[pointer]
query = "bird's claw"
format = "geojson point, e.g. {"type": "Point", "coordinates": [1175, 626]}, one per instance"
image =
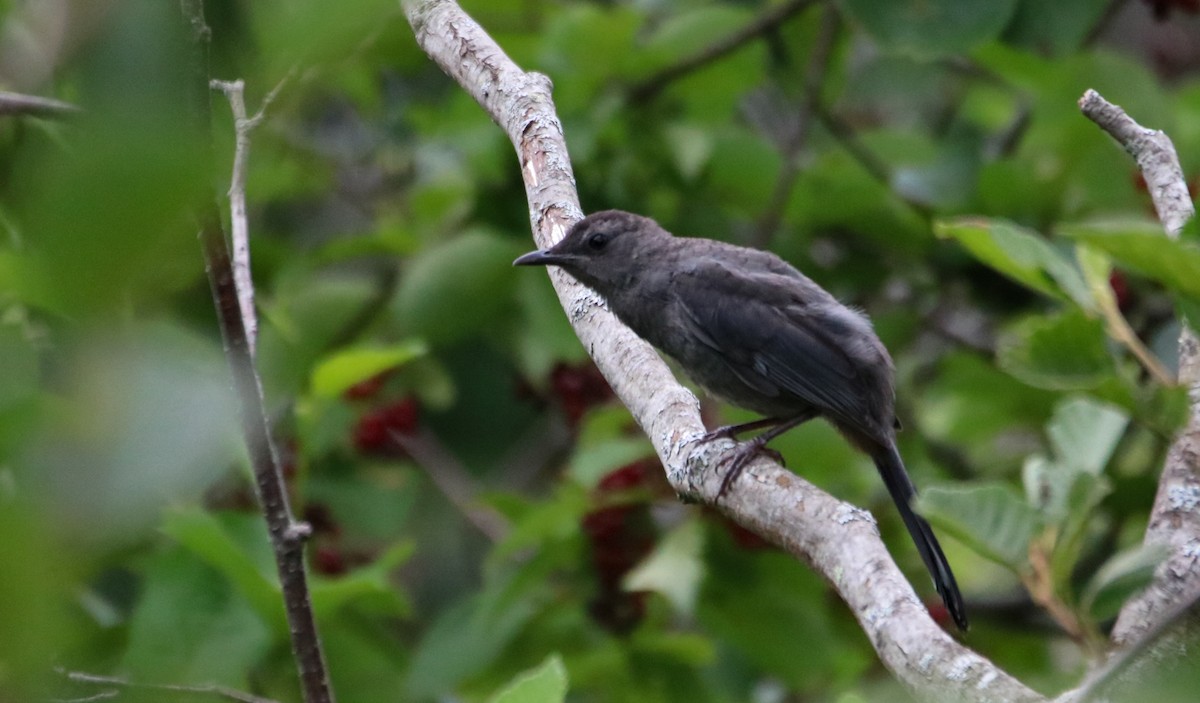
{"type": "Point", "coordinates": [739, 458]}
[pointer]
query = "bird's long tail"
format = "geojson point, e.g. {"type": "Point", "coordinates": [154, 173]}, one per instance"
{"type": "Point", "coordinates": [891, 468]}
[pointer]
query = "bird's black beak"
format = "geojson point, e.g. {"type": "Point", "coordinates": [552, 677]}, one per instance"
{"type": "Point", "coordinates": [542, 257]}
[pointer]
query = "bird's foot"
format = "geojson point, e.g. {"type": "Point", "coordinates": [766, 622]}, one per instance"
{"type": "Point", "coordinates": [742, 455]}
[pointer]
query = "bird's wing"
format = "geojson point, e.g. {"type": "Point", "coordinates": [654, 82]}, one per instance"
{"type": "Point", "coordinates": [773, 341]}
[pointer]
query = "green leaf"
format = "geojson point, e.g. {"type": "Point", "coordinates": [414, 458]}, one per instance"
{"type": "Point", "coordinates": [347, 367]}
{"type": "Point", "coordinates": [205, 536]}
{"type": "Point", "coordinates": [674, 568]}
{"type": "Point", "coordinates": [464, 640]}
{"type": "Point", "coordinates": [190, 626]}
{"type": "Point", "coordinates": [1065, 351]}
{"type": "Point", "coordinates": [1020, 254]}
{"type": "Point", "coordinates": [764, 607]}
{"type": "Point", "coordinates": [547, 683]}
{"type": "Point", "coordinates": [1143, 247]}
{"type": "Point", "coordinates": [1085, 432]}
{"type": "Point", "coordinates": [1084, 495]}
{"type": "Point", "coordinates": [991, 519]}
{"type": "Point", "coordinates": [459, 288]}
{"type": "Point", "coordinates": [1123, 575]}
{"type": "Point", "coordinates": [926, 27]}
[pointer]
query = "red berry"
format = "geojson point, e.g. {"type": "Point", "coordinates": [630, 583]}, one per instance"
{"type": "Point", "coordinates": [1120, 288]}
{"type": "Point", "coordinates": [937, 611]}
{"type": "Point", "coordinates": [629, 476]}
{"type": "Point", "coordinates": [371, 433]}
{"type": "Point", "coordinates": [605, 524]}
{"type": "Point", "coordinates": [578, 388]}
{"type": "Point", "coordinates": [328, 561]}
{"type": "Point", "coordinates": [402, 416]}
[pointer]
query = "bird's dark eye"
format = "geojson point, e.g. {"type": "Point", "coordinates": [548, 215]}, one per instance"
{"type": "Point", "coordinates": [597, 241]}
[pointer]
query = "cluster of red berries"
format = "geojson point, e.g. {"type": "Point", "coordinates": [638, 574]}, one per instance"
{"type": "Point", "coordinates": [620, 533]}
{"type": "Point", "coordinates": [578, 388]}
{"type": "Point", "coordinates": [373, 433]}
{"type": "Point", "coordinates": [328, 556]}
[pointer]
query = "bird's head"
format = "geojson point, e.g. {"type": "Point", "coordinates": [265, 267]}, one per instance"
{"type": "Point", "coordinates": [604, 250]}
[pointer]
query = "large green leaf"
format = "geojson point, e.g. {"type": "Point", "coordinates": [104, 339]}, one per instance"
{"type": "Point", "coordinates": [191, 627]}
{"type": "Point", "coordinates": [991, 519]}
{"type": "Point", "coordinates": [347, 367]}
{"type": "Point", "coordinates": [1085, 432]}
{"type": "Point", "coordinates": [547, 683]}
{"type": "Point", "coordinates": [459, 288]}
{"type": "Point", "coordinates": [1020, 254]}
{"type": "Point", "coordinates": [1064, 351]}
{"type": "Point", "coordinates": [1143, 247]}
{"type": "Point", "coordinates": [210, 539]}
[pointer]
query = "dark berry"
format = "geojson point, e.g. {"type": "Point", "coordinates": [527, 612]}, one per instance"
{"type": "Point", "coordinates": [629, 476]}
{"type": "Point", "coordinates": [402, 416]}
{"type": "Point", "coordinates": [328, 561]}
{"type": "Point", "coordinates": [1120, 288]}
{"type": "Point", "coordinates": [371, 433]}
{"type": "Point", "coordinates": [321, 519]}
{"type": "Point", "coordinates": [578, 388]}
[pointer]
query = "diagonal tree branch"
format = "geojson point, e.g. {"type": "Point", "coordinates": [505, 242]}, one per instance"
{"type": "Point", "coordinates": [649, 88]}
{"type": "Point", "coordinates": [839, 540]}
{"type": "Point", "coordinates": [1175, 517]}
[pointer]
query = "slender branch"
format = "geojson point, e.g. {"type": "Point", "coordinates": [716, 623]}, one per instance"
{"type": "Point", "coordinates": [34, 105]}
{"type": "Point", "coordinates": [287, 535]}
{"type": "Point", "coordinates": [239, 225]}
{"type": "Point", "coordinates": [1174, 519]}
{"type": "Point", "coordinates": [81, 677]}
{"type": "Point", "coordinates": [814, 80]}
{"type": "Point", "coordinates": [451, 478]}
{"type": "Point", "coordinates": [649, 88]}
{"type": "Point", "coordinates": [842, 542]}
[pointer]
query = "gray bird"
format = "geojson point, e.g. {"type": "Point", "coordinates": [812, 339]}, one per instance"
{"type": "Point", "coordinates": [751, 329]}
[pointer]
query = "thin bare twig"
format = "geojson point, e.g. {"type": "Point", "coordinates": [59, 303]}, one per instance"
{"type": "Point", "coordinates": [1174, 519]}
{"type": "Point", "coordinates": [649, 88]}
{"type": "Point", "coordinates": [81, 677]}
{"type": "Point", "coordinates": [238, 222]}
{"type": "Point", "coordinates": [451, 478]}
{"type": "Point", "coordinates": [287, 534]}
{"type": "Point", "coordinates": [814, 80]}
{"type": "Point", "coordinates": [34, 105]}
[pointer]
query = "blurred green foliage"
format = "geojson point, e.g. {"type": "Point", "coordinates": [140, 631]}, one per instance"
{"type": "Point", "coordinates": [937, 175]}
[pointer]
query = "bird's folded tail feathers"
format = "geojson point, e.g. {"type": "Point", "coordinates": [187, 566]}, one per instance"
{"type": "Point", "coordinates": [891, 468]}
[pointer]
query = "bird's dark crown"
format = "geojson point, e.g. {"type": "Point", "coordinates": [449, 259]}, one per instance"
{"type": "Point", "coordinates": [604, 248]}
